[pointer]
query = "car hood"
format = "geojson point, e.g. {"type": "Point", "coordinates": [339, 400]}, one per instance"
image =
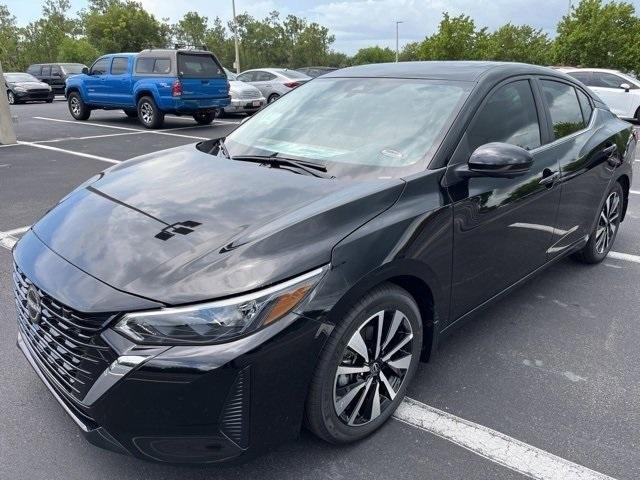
{"type": "Point", "coordinates": [30, 85]}
{"type": "Point", "coordinates": [181, 225]}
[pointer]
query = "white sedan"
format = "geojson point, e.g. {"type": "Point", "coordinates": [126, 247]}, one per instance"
{"type": "Point", "coordinates": [621, 92]}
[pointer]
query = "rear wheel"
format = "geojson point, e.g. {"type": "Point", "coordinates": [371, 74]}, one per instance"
{"type": "Point", "coordinates": [11, 97]}
{"type": "Point", "coordinates": [78, 109]}
{"type": "Point", "coordinates": [204, 118]}
{"type": "Point", "coordinates": [273, 97]}
{"type": "Point", "coordinates": [365, 367]}
{"type": "Point", "coordinates": [131, 113]}
{"type": "Point", "coordinates": [604, 233]}
{"type": "Point", "coordinates": [149, 114]}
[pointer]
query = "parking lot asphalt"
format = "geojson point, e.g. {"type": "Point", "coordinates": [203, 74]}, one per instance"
{"type": "Point", "coordinates": [554, 365]}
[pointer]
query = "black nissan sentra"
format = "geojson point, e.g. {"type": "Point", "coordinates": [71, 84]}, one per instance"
{"type": "Point", "coordinates": [202, 303]}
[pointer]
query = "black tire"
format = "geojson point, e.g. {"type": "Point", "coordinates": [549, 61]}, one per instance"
{"type": "Point", "coordinates": [131, 113]}
{"type": "Point", "coordinates": [273, 97]}
{"type": "Point", "coordinates": [11, 98]}
{"type": "Point", "coordinates": [323, 401]}
{"type": "Point", "coordinates": [204, 118]}
{"type": "Point", "coordinates": [78, 109]}
{"type": "Point", "coordinates": [149, 114]}
{"type": "Point", "coordinates": [605, 231]}
{"type": "Point", "coordinates": [49, 100]}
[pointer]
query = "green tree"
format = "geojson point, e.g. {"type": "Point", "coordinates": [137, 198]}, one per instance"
{"type": "Point", "coordinates": [218, 42]}
{"type": "Point", "coordinates": [123, 26]}
{"type": "Point", "coordinates": [373, 55]}
{"type": "Point", "coordinates": [410, 52]}
{"type": "Point", "coordinates": [191, 29]}
{"type": "Point", "coordinates": [8, 40]}
{"type": "Point", "coordinates": [456, 39]}
{"type": "Point", "coordinates": [597, 34]}
{"type": "Point", "coordinates": [519, 43]}
{"type": "Point", "coordinates": [77, 51]}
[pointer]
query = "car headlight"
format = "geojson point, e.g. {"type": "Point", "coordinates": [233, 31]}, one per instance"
{"type": "Point", "coordinates": [218, 321]}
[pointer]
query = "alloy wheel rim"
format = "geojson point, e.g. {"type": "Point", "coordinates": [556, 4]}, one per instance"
{"type": "Point", "coordinates": [373, 367]}
{"type": "Point", "coordinates": [146, 111]}
{"type": "Point", "coordinates": [608, 223]}
{"type": "Point", "coordinates": [11, 98]}
{"type": "Point", "coordinates": [75, 106]}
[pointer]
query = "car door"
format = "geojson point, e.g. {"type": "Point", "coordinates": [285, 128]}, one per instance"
{"type": "Point", "coordinates": [118, 83]}
{"type": "Point", "coordinates": [608, 87]}
{"type": "Point", "coordinates": [584, 152]}
{"type": "Point", "coordinates": [45, 76]}
{"type": "Point", "coordinates": [56, 80]}
{"type": "Point", "coordinates": [96, 81]}
{"type": "Point", "coordinates": [502, 226]}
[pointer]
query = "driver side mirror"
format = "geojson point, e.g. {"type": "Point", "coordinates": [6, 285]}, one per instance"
{"type": "Point", "coordinates": [85, 70]}
{"type": "Point", "coordinates": [496, 159]}
{"type": "Point", "coordinates": [625, 86]}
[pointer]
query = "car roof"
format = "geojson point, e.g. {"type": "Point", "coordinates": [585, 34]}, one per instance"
{"type": "Point", "coordinates": [577, 69]}
{"type": "Point", "coordinates": [470, 71]}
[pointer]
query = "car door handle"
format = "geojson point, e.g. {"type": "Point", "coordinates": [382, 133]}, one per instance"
{"type": "Point", "coordinates": [548, 177]}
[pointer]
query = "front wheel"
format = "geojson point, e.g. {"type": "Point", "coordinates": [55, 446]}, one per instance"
{"type": "Point", "coordinates": [77, 107]}
{"type": "Point", "coordinates": [365, 367]}
{"type": "Point", "coordinates": [149, 114]}
{"type": "Point", "coordinates": [604, 233]}
{"type": "Point", "coordinates": [11, 98]}
{"type": "Point", "coordinates": [204, 118]}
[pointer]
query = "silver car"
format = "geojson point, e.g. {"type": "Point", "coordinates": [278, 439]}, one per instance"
{"type": "Point", "coordinates": [245, 98]}
{"type": "Point", "coordinates": [273, 82]}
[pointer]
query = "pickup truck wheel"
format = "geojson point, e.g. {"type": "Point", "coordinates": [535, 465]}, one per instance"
{"type": "Point", "coordinates": [149, 114]}
{"type": "Point", "coordinates": [77, 107]}
{"type": "Point", "coordinates": [204, 118]}
{"type": "Point", "coordinates": [131, 113]}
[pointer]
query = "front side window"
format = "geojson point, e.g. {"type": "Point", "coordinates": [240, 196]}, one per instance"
{"type": "Point", "coordinates": [119, 65]}
{"type": "Point", "coordinates": [608, 80]}
{"type": "Point", "coordinates": [34, 69]}
{"type": "Point", "coordinates": [46, 71]}
{"type": "Point", "coordinates": [337, 122]}
{"type": "Point", "coordinates": [584, 77]}
{"type": "Point", "coordinates": [566, 115]}
{"type": "Point", "coordinates": [509, 116]}
{"type": "Point", "coordinates": [55, 71]}
{"type": "Point", "coordinates": [246, 76]}
{"type": "Point", "coordinates": [100, 67]}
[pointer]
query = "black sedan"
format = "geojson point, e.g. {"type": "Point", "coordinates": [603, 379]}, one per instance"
{"type": "Point", "coordinates": [23, 87]}
{"type": "Point", "coordinates": [196, 304]}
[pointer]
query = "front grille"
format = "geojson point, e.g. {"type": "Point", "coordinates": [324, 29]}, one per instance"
{"type": "Point", "coordinates": [38, 90]}
{"type": "Point", "coordinates": [65, 343]}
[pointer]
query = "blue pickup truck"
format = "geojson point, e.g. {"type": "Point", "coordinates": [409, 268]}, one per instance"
{"type": "Point", "coordinates": [150, 84]}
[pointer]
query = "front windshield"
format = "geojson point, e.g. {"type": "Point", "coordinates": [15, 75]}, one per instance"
{"type": "Point", "coordinates": [72, 68]}
{"type": "Point", "coordinates": [374, 127]}
{"type": "Point", "coordinates": [19, 77]}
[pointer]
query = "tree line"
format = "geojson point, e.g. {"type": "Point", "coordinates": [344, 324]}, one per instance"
{"type": "Point", "coordinates": [594, 33]}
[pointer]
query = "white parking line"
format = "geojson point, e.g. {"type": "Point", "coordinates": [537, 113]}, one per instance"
{"type": "Point", "coordinates": [70, 152]}
{"type": "Point", "coordinates": [624, 256]}
{"type": "Point", "coordinates": [635, 192]}
{"type": "Point", "coordinates": [493, 445]}
{"type": "Point", "coordinates": [138, 130]}
{"type": "Point", "coordinates": [90, 137]}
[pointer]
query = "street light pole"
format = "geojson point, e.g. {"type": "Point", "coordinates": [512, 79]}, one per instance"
{"type": "Point", "coordinates": [398, 22]}
{"type": "Point", "coordinates": [235, 31]}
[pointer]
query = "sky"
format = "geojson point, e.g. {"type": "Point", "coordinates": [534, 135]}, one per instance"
{"type": "Point", "coordinates": [355, 23]}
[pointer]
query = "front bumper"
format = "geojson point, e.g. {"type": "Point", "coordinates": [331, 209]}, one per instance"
{"type": "Point", "coordinates": [31, 96]}
{"type": "Point", "coordinates": [197, 404]}
{"type": "Point", "coordinates": [241, 105]}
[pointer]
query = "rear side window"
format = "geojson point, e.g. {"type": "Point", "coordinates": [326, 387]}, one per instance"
{"type": "Point", "coordinates": [198, 66]}
{"type": "Point", "coordinates": [119, 65]}
{"type": "Point", "coordinates": [100, 67]}
{"type": "Point", "coordinates": [566, 114]}
{"type": "Point", "coordinates": [509, 116]}
{"type": "Point", "coordinates": [609, 80]}
{"type": "Point", "coordinates": [263, 76]}
{"type": "Point", "coordinates": [46, 71]}
{"type": "Point", "coordinates": [34, 69]}
{"type": "Point", "coordinates": [585, 105]}
{"type": "Point", "coordinates": [147, 65]}
{"type": "Point", "coordinates": [55, 70]}
{"type": "Point", "coordinates": [584, 77]}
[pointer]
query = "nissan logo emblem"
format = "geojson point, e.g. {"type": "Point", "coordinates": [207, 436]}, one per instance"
{"type": "Point", "coordinates": [33, 305]}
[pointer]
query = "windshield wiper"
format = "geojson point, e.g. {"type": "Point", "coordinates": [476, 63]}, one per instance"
{"type": "Point", "coordinates": [315, 169]}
